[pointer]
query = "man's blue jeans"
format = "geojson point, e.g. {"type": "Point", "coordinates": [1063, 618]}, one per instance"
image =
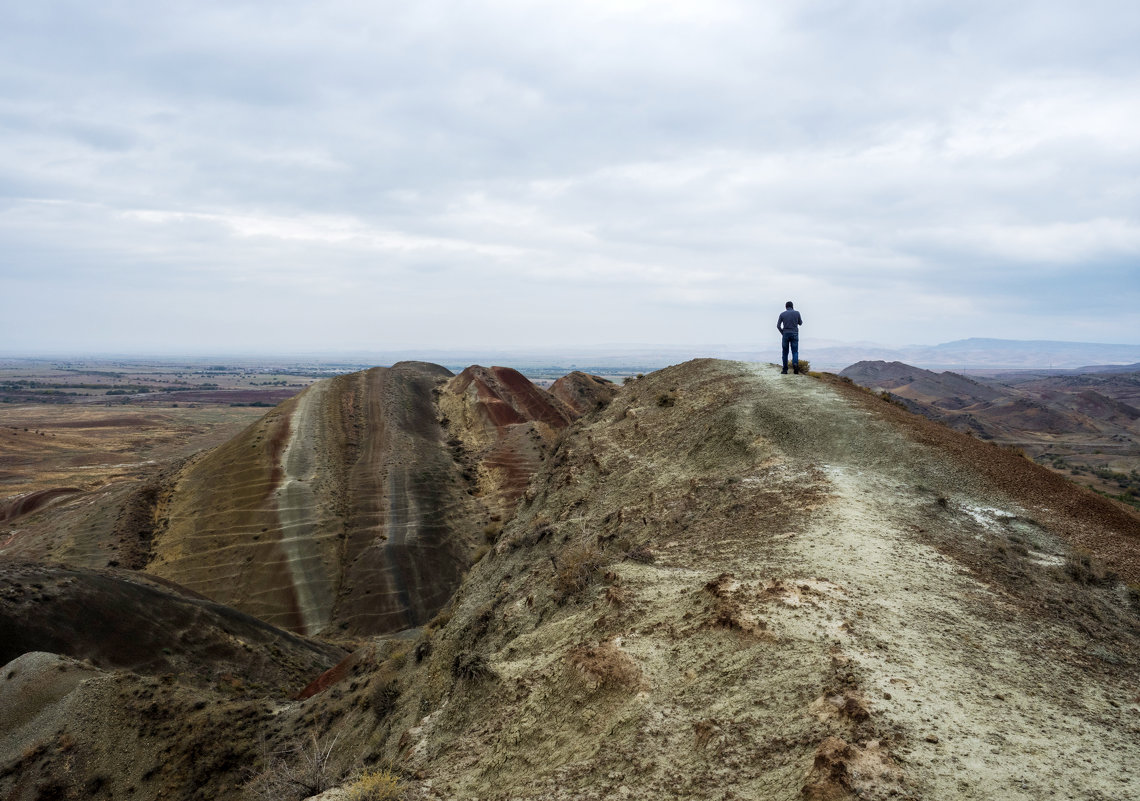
{"type": "Point", "coordinates": [792, 339]}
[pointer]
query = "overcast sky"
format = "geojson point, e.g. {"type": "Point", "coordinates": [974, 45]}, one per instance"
{"type": "Point", "coordinates": [241, 177]}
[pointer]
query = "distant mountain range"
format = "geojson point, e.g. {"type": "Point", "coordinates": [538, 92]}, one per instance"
{"type": "Point", "coordinates": [980, 353]}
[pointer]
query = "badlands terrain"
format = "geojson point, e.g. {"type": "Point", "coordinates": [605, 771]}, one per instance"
{"type": "Point", "coordinates": [714, 581]}
{"type": "Point", "coordinates": [1084, 423]}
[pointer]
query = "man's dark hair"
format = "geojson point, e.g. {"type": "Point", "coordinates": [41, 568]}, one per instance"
{"type": "Point", "coordinates": [788, 305]}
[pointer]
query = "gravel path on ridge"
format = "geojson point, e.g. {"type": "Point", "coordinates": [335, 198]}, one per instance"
{"type": "Point", "coordinates": [943, 659]}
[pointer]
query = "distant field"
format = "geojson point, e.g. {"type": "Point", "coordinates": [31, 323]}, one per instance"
{"type": "Point", "coordinates": [84, 447]}
{"type": "Point", "coordinates": [25, 381]}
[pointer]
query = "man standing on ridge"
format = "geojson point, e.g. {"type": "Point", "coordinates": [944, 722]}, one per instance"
{"type": "Point", "coordinates": [788, 325]}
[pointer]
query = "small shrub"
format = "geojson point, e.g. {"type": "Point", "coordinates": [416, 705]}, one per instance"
{"type": "Point", "coordinates": [384, 698]}
{"type": "Point", "coordinates": [605, 665]}
{"type": "Point", "coordinates": [471, 667]}
{"type": "Point", "coordinates": [1083, 569]}
{"type": "Point", "coordinates": [667, 399]}
{"type": "Point", "coordinates": [296, 773]}
{"type": "Point", "coordinates": [577, 570]}
{"type": "Point", "coordinates": [805, 366]}
{"type": "Point", "coordinates": [376, 785]}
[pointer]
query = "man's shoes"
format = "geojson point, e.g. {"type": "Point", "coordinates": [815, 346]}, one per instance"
{"type": "Point", "coordinates": [796, 369]}
{"type": "Point", "coordinates": [784, 371]}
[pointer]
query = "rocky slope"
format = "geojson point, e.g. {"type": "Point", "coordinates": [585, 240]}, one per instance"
{"type": "Point", "coordinates": [122, 619]}
{"type": "Point", "coordinates": [1083, 426]}
{"type": "Point", "coordinates": [354, 507]}
{"type": "Point", "coordinates": [965, 404]}
{"type": "Point", "coordinates": [727, 583]}
{"type": "Point", "coordinates": [735, 585]}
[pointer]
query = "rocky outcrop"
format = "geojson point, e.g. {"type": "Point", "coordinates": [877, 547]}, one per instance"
{"type": "Point", "coordinates": [342, 510]}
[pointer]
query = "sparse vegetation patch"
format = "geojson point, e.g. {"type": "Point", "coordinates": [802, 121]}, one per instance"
{"type": "Point", "coordinates": [376, 785]}
{"type": "Point", "coordinates": [577, 569]}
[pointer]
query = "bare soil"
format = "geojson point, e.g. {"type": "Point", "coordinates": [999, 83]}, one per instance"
{"type": "Point", "coordinates": [808, 593]}
{"type": "Point", "coordinates": [726, 584]}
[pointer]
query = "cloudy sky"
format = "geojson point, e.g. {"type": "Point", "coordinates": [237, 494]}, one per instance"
{"type": "Point", "coordinates": [286, 176]}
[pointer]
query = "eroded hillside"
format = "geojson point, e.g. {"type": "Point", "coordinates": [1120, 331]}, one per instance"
{"type": "Point", "coordinates": [727, 583]}
{"type": "Point", "coordinates": [1084, 426]}
{"type": "Point", "coordinates": [354, 507]}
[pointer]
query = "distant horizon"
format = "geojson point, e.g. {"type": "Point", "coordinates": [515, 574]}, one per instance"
{"type": "Point", "coordinates": [825, 353]}
{"type": "Point", "coordinates": [605, 347]}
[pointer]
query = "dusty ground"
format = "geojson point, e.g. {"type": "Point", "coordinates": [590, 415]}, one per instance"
{"type": "Point", "coordinates": [75, 480]}
{"type": "Point", "coordinates": [727, 584]}
{"type": "Point", "coordinates": [42, 447]}
{"type": "Point", "coordinates": [737, 584]}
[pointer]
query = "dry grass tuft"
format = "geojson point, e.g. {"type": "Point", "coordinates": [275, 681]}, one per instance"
{"type": "Point", "coordinates": [1082, 568]}
{"type": "Point", "coordinates": [384, 697]}
{"type": "Point", "coordinates": [376, 785]}
{"type": "Point", "coordinates": [471, 667]}
{"type": "Point", "coordinates": [577, 570]}
{"type": "Point", "coordinates": [480, 552]}
{"type": "Point", "coordinates": [438, 622]}
{"type": "Point", "coordinates": [605, 665]}
{"type": "Point", "coordinates": [616, 596]}
{"type": "Point", "coordinates": [642, 554]}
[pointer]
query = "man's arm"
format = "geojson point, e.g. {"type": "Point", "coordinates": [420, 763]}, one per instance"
{"type": "Point", "coordinates": [780, 323]}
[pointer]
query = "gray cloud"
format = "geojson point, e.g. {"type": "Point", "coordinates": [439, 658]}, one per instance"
{"type": "Point", "coordinates": [496, 173]}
